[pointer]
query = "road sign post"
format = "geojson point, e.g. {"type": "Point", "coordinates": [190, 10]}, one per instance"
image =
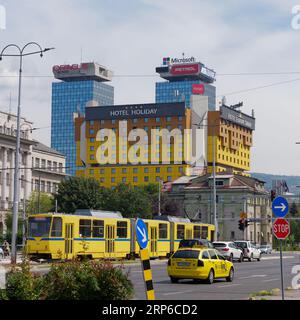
{"type": "Point", "coordinates": [142, 239]}
{"type": "Point", "coordinates": [281, 228]}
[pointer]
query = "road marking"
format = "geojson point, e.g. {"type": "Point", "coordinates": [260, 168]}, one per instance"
{"type": "Point", "coordinates": [229, 285]}
{"type": "Point", "coordinates": [273, 258]}
{"type": "Point", "coordinates": [254, 276]}
{"type": "Point", "coordinates": [270, 280]}
{"type": "Point", "coordinates": [178, 292]}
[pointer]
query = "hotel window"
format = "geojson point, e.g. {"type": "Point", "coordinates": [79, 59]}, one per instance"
{"type": "Point", "coordinates": [169, 178]}
{"type": "Point", "coordinates": [91, 122]}
{"type": "Point", "coordinates": [92, 148]}
{"type": "Point", "coordinates": [113, 121]}
{"type": "Point", "coordinates": [124, 170]}
{"type": "Point", "coordinates": [113, 171]}
{"type": "Point", "coordinates": [92, 139]}
{"type": "Point", "coordinates": [157, 179]}
{"type": "Point", "coordinates": [169, 119]}
{"type": "Point", "coordinates": [169, 169]}
{"type": "Point", "coordinates": [135, 120]}
{"type": "Point", "coordinates": [113, 179]}
{"type": "Point", "coordinates": [92, 131]}
{"type": "Point", "coordinates": [135, 179]}
{"type": "Point", "coordinates": [92, 157]}
{"type": "Point", "coordinates": [180, 169]}
{"type": "Point", "coordinates": [91, 171]}
{"type": "Point", "coordinates": [146, 170]}
{"type": "Point", "coordinates": [157, 119]}
{"type": "Point", "coordinates": [101, 171]}
{"type": "Point", "coordinates": [146, 179]}
{"type": "Point", "coordinates": [146, 120]}
{"type": "Point", "coordinates": [124, 179]}
{"type": "Point", "coordinates": [102, 180]}
{"type": "Point", "coordinates": [135, 170]}
{"type": "Point", "coordinates": [157, 170]}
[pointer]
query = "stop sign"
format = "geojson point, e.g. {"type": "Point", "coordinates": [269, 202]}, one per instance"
{"type": "Point", "coordinates": [281, 228]}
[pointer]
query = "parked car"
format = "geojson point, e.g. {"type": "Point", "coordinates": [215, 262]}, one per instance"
{"type": "Point", "coordinates": [229, 250]}
{"type": "Point", "coordinates": [1, 253]}
{"type": "Point", "coordinates": [191, 243]}
{"type": "Point", "coordinates": [266, 248]}
{"type": "Point", "coordinates": [250, 251]}
{"type": "Point", "coordinates": [199, 264]}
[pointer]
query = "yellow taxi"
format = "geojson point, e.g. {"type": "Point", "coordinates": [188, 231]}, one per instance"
{"type": "Point", "coordinates": [199, 264]}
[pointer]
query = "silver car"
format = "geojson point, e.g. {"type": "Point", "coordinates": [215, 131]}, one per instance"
{"type": "Point", "coordinates": [265, 248]}
{"type": "Point", "coordinates": [229, 250]}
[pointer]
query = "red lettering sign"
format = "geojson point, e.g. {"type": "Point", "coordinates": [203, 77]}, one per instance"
{"type": "Point", "coordinates": [181, 69]}
{"type": "Point", "coordinates": [198, 89]}
{"type": "Point", "coordinates": [69, 67]}
{"type": "Point", "coordinates": [281, 228]}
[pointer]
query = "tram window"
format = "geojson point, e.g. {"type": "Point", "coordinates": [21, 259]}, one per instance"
{"type": "Point", "coordinates": [56, 230]}
{"type": "Point", "coordinates": [180, 231]}
{"type": "Point", "coordinates": [121, 229]}
{"type": "Point", "coordinates": [98, 228]}
{"type": "Point", "coordinates": [204, 233]}
{"type": "Point", "coordinates": [85, 227]}
{"type": "Point", "coordinates": [197, 232]}
{"type": "Point", "coordinates": [163, 231]}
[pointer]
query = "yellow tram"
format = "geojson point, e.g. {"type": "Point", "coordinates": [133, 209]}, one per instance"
{"type": "Point", "coordinates": [103, 234]}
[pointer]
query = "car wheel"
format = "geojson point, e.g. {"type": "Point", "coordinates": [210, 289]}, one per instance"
{"type": "Point", "coordinates": [231, 257]}
{"type": "Point", "coordinates": [211, 276]}
{"type": "Point", "coordinates": [251, 258]}
{"type": "Point", "coordinates": [174, 280]}
{"type": "Point", "coordinates": [230, 276]}
{"type": "Point", "coordinates": [241, 258]}
{"type": "Point", "coordinates": [258, 259]}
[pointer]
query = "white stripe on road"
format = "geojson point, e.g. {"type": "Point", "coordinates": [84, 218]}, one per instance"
{"type": "Point", "coordinates": [273, 258]}
{"type": "Point", "coordinates": [178, 292]}
{"type": "Point", "coordinates": [253, 276]}
{"type": "Point", "coordinates": [228, 285]}
{"type": "Point", "coordinates": [277, 279]}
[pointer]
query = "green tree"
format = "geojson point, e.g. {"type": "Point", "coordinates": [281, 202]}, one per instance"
{"type": "Point", "coordinates": [293, 209]}
{"type": "Point", "coordinates": [8, 223]}
{"type": "Point", "coordinates": [79, 193]}
{"type": "Point", "coordinates": [40, 203]}
{"type": "Point", "coordinates": [130, 201]}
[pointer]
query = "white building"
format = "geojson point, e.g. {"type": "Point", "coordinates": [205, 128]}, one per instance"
{"type": "Point", "coordinates": [39, 164]}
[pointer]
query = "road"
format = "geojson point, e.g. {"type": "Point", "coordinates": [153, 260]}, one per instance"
{"type": "Point", "coordinates": [250, 277]}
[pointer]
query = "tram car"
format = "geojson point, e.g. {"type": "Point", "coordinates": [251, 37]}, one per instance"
{"type": "Point", "coordinates": [99, 234]}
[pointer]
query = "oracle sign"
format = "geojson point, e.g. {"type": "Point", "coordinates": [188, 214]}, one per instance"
{"type": "Point", "coordinates": [198, 89]}
{"type": "Point", "coordinates": [69, 67]}
{"type": "Point", "coordinates": [184, 69]}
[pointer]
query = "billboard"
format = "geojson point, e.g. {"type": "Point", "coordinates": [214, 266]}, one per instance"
{"type": "Point", "coordinates": [183, 69]}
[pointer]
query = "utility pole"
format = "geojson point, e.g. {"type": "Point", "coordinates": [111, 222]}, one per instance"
{"type": "Point", "coordinates": [39, 195]}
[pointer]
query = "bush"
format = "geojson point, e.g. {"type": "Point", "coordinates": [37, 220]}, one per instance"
{"type": "Point", "coordinates": [87, 281]}
{"type": "Point", "coordinates": [69, 281]}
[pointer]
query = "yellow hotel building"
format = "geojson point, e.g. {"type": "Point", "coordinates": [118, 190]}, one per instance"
{"type": "Point", "coordinates": [149, 158]}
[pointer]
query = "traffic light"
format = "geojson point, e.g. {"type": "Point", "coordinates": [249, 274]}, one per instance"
{"type": "Point", "coordinates": [273, 195]}
{"type": "Point", "coordinates": [246, 223]}
{"type": "Point", "coordinates": [241, 224]}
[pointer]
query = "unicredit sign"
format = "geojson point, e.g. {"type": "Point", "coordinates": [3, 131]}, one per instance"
{"type": "Point", "coordinates": [69, 67]}
{"type": "Point", "coordinates": [184, 69]}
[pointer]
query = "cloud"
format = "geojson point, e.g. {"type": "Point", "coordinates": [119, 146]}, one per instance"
{"type": "Point", "coordinates": [131, 37]}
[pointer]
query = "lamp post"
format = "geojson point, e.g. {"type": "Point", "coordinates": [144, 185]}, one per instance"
{"type": "Point", "coordinates": [19, 54]}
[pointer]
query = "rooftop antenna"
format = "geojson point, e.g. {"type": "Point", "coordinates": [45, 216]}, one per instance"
{"type": "Point", "coordinates": [182, 55]}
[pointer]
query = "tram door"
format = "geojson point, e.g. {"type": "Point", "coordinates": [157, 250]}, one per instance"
{"type": "Point", "coordinates": [110, 239]}
{"type": "Point", "coordinates": [153, 241]}
{"type": "Point", "coordinates": [69, 241]}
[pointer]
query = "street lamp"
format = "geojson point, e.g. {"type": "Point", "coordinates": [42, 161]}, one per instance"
{"type": "Point", "coordinates": [20, 54]}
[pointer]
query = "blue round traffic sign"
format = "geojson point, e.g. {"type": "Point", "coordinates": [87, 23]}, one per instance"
{"type": "Point", "coordinates": [280, 207]}
{"type": "Point", "coordinates": [141, 233]}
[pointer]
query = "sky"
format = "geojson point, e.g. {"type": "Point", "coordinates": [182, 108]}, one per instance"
{"type": "Point", "coordinates": [131, 37]}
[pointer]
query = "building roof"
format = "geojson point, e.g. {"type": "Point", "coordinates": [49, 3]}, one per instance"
{"type": "Point", "coordinates": [183, 179]}
{"type": "Point", "coordinates": [38, 146]}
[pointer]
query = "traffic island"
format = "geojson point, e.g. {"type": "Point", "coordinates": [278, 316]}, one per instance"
{"type": "Point", "coordinates": [275, 294]}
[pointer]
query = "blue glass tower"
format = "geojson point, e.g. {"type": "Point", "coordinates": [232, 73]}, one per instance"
{"type": "Point", "coordinates": [177, 91]}
{"type": "Point", "coordinates": [70, 96]}
{"type": "Point", "coordinates": [184, 77]}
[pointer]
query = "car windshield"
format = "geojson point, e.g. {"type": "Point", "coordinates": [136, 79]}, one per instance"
{"type": "Point", "coordinates": [39, 226]}
{"type": "Point", "coordinates": [241, 244]}
{"type": "Point", "coordinates": [186, 254]}
{"type": "Point", "coordinates": [264, 247]}
{"type": "Point", "coordinates": [219, 245]}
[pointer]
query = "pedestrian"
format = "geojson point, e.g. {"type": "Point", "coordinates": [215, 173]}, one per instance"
{"type": "Point", "coordinates": [6, 248]}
